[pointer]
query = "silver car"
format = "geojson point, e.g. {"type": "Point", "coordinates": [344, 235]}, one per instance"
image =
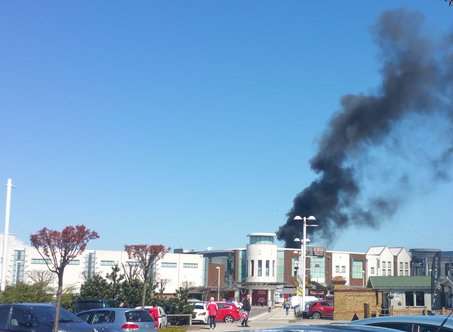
{"type": "Point", "coordinates": [119, 320]}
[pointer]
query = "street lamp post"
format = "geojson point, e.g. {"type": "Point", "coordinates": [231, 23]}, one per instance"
{"type": "Point", "coordinates": [303, 248]}
{"type": "Point", "coordinates": [218, 282]}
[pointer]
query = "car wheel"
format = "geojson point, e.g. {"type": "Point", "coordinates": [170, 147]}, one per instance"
{"type": "Point", "coordinates": [229, 319]}
{"type": "Point", "coordinates": [316, 315]}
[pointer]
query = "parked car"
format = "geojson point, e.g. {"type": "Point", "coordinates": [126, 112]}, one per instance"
{"type": "Point", "coordinates": [228, 312]}
{"type": "Point", "coordinates": [319, 309]}
{"type": "Point", "coordinates": [119, 320]}
{"type": "Point", "coordinates": [163, 321]}
{"type": "Point", "coordinates": [38, 317]}
{"type": "Point", "coordinates": [83, 305]}
{"type": "Point", "coordinates": [410, 323]}
{"type": "Point", "coordinates": [200, 313]}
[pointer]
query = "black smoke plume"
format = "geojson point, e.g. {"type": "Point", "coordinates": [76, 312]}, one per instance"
{"type": "Point", "coordinates": [416, 79]}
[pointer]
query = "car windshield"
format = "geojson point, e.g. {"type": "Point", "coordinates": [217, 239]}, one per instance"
{"type": "Point", "coordinates": [47, 315]}
{"type": "Point", "coordinates": [138, 316]}
{"type": "Point", "coordinates": [199, 306]}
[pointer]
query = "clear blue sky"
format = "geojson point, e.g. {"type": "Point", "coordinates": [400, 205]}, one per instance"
{"type": "Point", "coordinates": [188, 123]}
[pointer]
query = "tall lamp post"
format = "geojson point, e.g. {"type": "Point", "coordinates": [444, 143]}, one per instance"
{"type": "Point", "coordinates": [303, 248]}
{"type": "Point", "coordinates": [218, 282]}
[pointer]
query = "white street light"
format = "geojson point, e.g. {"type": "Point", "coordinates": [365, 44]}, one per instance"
{"type": "Point", "coordinates": [218, 283]}
{"type": "Point", "coordinates": [303, 248]}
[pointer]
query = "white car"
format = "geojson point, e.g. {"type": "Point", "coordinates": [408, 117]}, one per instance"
{"type": "Point", "coordinates": [200, 313]}
{"type": "Point", "coordinates": [163, 322]}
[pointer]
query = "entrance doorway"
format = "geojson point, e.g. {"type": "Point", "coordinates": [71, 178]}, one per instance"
{"type": "Point", "coordinates": [259, 297]}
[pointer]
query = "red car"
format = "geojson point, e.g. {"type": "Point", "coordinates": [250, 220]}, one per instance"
{"type": "Point", "coordinates": [227, 312]}
{"type": "Point", "coordinates": [320, 309]}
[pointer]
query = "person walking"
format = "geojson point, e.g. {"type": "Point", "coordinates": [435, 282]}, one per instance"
{"type": "Point", "coordinates": [154, 312]}
{"type": "Point", "coordinates": [247, 307]}
{"type": "Point", "coordinates": [212, 312]}
{"type": "Point", "coordinates": [286, 306]}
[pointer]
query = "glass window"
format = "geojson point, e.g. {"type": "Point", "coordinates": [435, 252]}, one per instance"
{"type": "Point", "coordinates": [21, 319]}
{"type": "Point", "coordinates": [169, 264]}
{"type": "Point", "coordinates": [4, 316]}
{"type": "Point", "coordinates": [137, 316]}
{"type": "Point", "coordinates": [372, 270]}
{"type": "Point", "coordinates": [84, 316]}
{"type": "Point", "coordinates": [384, 273]}
{"type": "Point", "coordinates": [39, 261]}
{"type": "Point", "coordinates": [267, 268]}
{"type": "Point", "coordinates": [260, 268]}
{"type": "Point", "coordinates": [397, 326]}
{"type": "Point", "coordinates": [75, 262]}
{"type": "Point", "coordinates": [409, 299]}
{"type": "Point", "coordinates": [337, 268]}
{"type": "Point", "coordinates": [107, 263]}
{"type": "Point", "coordinates": [420, 299]}
{"type": "Point", "coordinates": [384, 265]}
{"type": "Point", "coordinates": [357, 269]}
{"type": "Point", "coordinates": [273, 268]}
{"type": "Point", "coordinates": [190, 265]}
{"type": "Point", "coordinates": [401, 265]}
{"type": "Point", "coordinates": [102, 317]}
{"type": "Point", "coordinates": [389, 272]}
{"type": "Point", "coordinates": [406, 273]}
{"type": "Point", "coordinates": [46, 314]}
{"type": "Point", "coordinates": [343, 269]}
{"type": "Point", "coordinates": [252, 267]}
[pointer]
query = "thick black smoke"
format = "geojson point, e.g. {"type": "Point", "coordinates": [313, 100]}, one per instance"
{"type": "Point", "coordinates": [416, 78]}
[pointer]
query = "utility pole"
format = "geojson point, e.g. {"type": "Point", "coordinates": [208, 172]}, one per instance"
{"type": "Point", "coordinates": [9, 187]}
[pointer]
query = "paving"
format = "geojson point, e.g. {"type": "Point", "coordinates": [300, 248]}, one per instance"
{"type": "Point", "coordinates": [262, 319]}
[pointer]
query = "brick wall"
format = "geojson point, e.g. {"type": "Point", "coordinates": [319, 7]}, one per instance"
{"type": "Point", "coordinates": [350, 300]}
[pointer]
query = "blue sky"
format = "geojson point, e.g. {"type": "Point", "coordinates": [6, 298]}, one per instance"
{"type": "Point", "coordinates": [188, 123]}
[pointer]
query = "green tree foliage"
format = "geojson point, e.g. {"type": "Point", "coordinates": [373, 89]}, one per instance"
{"type": "Point", "coordinates": [38, 292]}
{"type": "Point", "coordinates": [95, 287]}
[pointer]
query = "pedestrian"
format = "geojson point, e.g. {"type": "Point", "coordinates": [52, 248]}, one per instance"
{"type": "Point", "coordinates": [154, 312]}
{"type": "Point", "coordinates": [247, 308]}
{"type": "Point", "coordinates": [286, 306]}
{"type": "Point", "coordinates": [212, 312]}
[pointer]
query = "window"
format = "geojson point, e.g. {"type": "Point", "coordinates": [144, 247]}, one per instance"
{"type": "Point", "coordinates": [190, 265]}
{"type": "Point", "coordinates": [21, 319]}
{"type": "Point", "coordinates": [273, 268]}
{"type": "Point", "coordinates": [419, 299]}
{"type": "Point", "coordinates": [337, 268]}
{"type": "Point", "coordinates": [138, 316]}
{"type": "Point", "coordinates": [252, 268]}
{"type": "Point", "coordinates": [267, 268]}
{"type": "Point", "coordinates": [389, 272]}
{"type": "Point", "coordinates": [401, 265]}
{"type": "Point", "coordinates": [4, 315]}
{"type": "Point", "coordinates": [40, 261]}
{"type": "Point", "coordinates": [84, 316]}
{"type": "Point", "coordinates": [260, 268]}
{"type": "Point", "coordinates": [357, 269]}
{"type": "Point", "coordinates": [102, 317]}
{"type": "Point", "coordinates": [372, 270]}
{"type": "Point", "coordinates": [75, 262]}
{"type": "Point", "coordinates": [169, 264]}
{"type": "Point", "coordinates": [396, 326]}
{"type": "Point", "coordinates": [401, 273]}
{"type": "Point", "coordinates": [107, 263]}
{"type": "Point", "coordinates": [343, 269]}
{"type": "Point", "coordinates": [409, 299]}
{"type": "Point", "coordinates": [384, 273]}
{"type": "Point", "coordinates": [406, 265]}
{"type": "Point", "coordinates": [384, 265]}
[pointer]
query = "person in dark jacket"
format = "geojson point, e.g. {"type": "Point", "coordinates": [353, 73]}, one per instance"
{"type": "Point", "coordinates": [246, 306]}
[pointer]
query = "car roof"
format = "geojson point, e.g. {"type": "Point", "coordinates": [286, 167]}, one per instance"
{"type": "Point", "coordinates": [419, 319]}
{"type": "Point", "coordinates": [330, 328]}
{"type": "Point", "coordinates": [109, 309]}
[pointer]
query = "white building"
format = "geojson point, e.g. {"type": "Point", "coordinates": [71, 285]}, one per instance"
{"type": "Point", "coordinates": [402, 261]}
{"type": "Point", "coordinates": [341, 265]}
{"type": "Point", "coordinates": [380, 261]}
{"type": "Point", "coordinates": [26, 265]}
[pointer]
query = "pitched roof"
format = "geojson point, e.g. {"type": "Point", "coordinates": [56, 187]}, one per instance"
{"type": "Point", "coordinates": [375, 250]}
{"type": "Point", "coordinates": [400, 283]}
{"type": "Point", "coordinates": [396, 250]}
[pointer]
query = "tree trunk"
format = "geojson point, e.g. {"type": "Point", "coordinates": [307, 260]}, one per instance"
{"type": "Point", "coordinates": [58, 305]}
{"type": "Point", "coordinates": [145, 284]}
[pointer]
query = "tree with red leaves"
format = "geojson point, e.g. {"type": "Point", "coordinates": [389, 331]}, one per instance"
{"type": "Point", "coordinates": [58, 249]}
{"type": "Point", "coordinates": [146, 256]}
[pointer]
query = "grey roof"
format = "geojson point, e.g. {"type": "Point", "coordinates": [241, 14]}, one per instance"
{"type": "Point", "coordinates": [400, 283]}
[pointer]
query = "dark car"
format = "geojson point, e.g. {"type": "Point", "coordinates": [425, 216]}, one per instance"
{"type": "Point", "coordinates": [410, 323]}
{"type": "Point", "coordinates": [119, 320]}
{"type": "Point", "coordinates": [38, 317]}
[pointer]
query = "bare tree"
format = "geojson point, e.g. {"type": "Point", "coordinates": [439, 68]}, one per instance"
{"type": "Point", "coordinates": [58, 249]}
{"type": "Point", "coordinates": [146, 256]}
{"type": "Point", "coordinates": [41, 277]}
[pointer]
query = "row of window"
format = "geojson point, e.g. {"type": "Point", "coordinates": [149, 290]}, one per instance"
{"type": "Point", "coordinates": [175, 265]}
{"type": "Point", "coordinates": [47, 260]}
{"type": "Point", "coordinates": [342, 270]}
{"type": "Point", "coordinates": [267, 271]}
